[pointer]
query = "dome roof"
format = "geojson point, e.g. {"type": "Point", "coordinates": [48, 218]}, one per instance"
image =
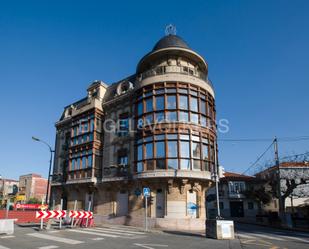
{"type": "Point", "coordinates": [170, 41]}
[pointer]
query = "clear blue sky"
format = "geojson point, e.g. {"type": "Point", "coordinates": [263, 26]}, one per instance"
{"type": "Point", "coordinates": [50, 51]}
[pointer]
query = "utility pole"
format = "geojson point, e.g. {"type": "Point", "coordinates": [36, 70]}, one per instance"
{"type": "Point", "coordinates": [280, 200]}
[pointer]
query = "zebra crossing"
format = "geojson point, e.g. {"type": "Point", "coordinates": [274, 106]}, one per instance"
{"type": "Point", "coordinates": [54, 239]}
{"type": "Point", "coordinates": [277, 237]}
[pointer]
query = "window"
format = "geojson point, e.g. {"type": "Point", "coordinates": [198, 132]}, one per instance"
{"type": "Point", "coordinates": [73, 164]}
{"type": "Point", "coordinates": [90, 161]}
{"type": "Point", "coordinates": [159, 103]}
{"type": "Point", "coordinates": [171, 136]}
{"type": "Point", "coordinates": [236, 187]}
{"type": "Point", "coordinates": [78, 163]}
{"type": "Point", "coordinates": [149, 151]}
{"type": "Point", "coordinates": [203, 106]}
{"type": "Point", "coordinates": [140, 152]}
{"type": "Point", "coordinates": [148, 119]}
{"type": "Point", "coordinates": [160, 149]}
{"type": "Point", "coordinates": [171, 102]}
{"type": "Point", "coordinates": [123, 160]}
{"type": "Point", "coordinates": [149, 107]}
{"type": "Point", "coordinates": [203, 121]}
{"type": "Point", "coordinates": [185, 164]}
{"type": "Point", "coordinates": [84, 162]}
{"type": "Point", "coordinates": [183, 102]}
{"type": "Point", "coordinates": [196, 165]}
{"type": "Point", "coordinates": [160, 164]}
{"type": "Point", "coordinates": [172, 163]}
{"type": "Point", "coordinates": [91, 125]}
{"type": "Point", "coordinates": [196, 151]}
{"type": "Point", "coordinates": [91, 137]}
{"type": "Point", "coordinates": [183, 90]}
{"type": "Point", "coordinates": [171, 90]}
{"type": "Point", "coordinates": [172, 148]}
{"type": "Point", "coordinates": [193, 104]}
{"type": "Point", "coordinates": [140, 167]}
{"type": "Point", "coordinates": [140, 108]}
{"type": "Point", "coordinates": [183, 116]}
{"type": "Point", "coordinates": [75, 131]}
{"type": "Point", "coordinates": [159, 117]}
{"type": "Point", "coordinates": [86, 127]}
{"type": "Point", "coordinates": [194, 118]}
{"type": "Point", "coordinates": [171, 116]}
{"type": "Point", "coordinates": [184, 137]}
{"type": "Point", "coordinates": [205, 151]}
{"type": "Point", "coordinates": [250, 205]}
{"type": "Point", "coordinates": [184, 149]}
{"type": "Point", "coordinates": [150, 165]}
{"type": "Point", "coordinates": [123, 127]}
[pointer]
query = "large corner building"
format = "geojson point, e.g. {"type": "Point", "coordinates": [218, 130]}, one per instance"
{"type": "Point", "coordinates": [155, 128]}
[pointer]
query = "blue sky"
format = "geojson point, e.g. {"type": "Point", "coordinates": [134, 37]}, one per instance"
{"type": "Point", "coordinates": [50, 51]}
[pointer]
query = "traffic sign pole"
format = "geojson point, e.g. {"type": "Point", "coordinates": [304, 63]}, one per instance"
{"type": "Point", "coordinates": [72, 221]}
{"type": "Point", "coordinates": [146, 220]}
{"type": "Point", "coordinates": [60, 223]}
{"type": "Point", "coordinates": [146, 193]}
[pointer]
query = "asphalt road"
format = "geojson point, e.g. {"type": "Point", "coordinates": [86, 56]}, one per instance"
{"type": "Point", "coordinates": [120, 237]}
{"type": "Point", "coordinates": [251, 236]}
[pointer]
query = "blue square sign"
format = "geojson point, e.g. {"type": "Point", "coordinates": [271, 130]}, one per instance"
{"type": "Point", "coordinates": [146, 192]}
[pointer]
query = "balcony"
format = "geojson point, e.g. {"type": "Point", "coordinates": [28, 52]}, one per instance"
{"type": "Point", "coordinates": [174, 69]}
{"type": "Point", "coordinates": [116, 172]}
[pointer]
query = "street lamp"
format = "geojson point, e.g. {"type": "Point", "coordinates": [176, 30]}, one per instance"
{"type": "Point", "coordinates": [50, 164]}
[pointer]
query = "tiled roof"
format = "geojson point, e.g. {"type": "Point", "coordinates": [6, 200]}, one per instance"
{"type": "Point", "coordinates": [237, 177]}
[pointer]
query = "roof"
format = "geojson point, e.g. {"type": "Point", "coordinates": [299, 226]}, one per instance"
{"type": "Point", "coordinates": [170, 41]}
{"type": "Point", "coordinates": [304, 164]}
{"type": "Point", "coordinates": [237, 177]}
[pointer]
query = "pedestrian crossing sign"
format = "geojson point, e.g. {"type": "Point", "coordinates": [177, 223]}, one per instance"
{"type": "Point", "coordinates": [146, 192]}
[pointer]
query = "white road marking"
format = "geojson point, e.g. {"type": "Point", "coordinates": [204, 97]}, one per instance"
{"type": "Point", "coordinates": [3, 247]}
{"type": "Point", "coordinates": [119, 230]}
{"type": "Point", "coordinates": [48, 247]}
{"type": "Point", "coordinates": [95, 233]}
{"type": "Point", "coordinates": [265, 236]}
{"type": "Point", "coordinates": [149, 246]}
{"type": "Point", "coordinates": [294, 238]}
{"type": "Point", "coordinates": [7, 236]}
{"type": "Point", "coordinates": [245, 236]}
{"type": "Point", "coordinates": [55, 238]}
{"type": "Point", "coordinates": [53, 231]}
{"type": "Point", "coordinates": [97, 238]}
{"type": "Point", "coordinates": [113, 232]}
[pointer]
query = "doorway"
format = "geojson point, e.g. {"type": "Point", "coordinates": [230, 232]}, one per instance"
{"type": "Point", "coordinates": [191, 204]}
{"type": "Point", "coordinates": [160, 204]}
{"type": "Point", "coordinates": [237, 208]}
{"type": "Point", "coordinates": [122, 203]}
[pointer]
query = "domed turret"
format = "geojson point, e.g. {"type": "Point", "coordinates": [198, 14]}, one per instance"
{"type": "Point", "coordinates": [170, 41]}
{"type": "Point", "coordinates": [172, 46]}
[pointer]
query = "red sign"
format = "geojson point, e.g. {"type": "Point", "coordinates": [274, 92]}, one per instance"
{"type": "Point", "coordinates": [50, 214]}
{"type": "Point", "coordinates": [30, 206]}
{"type": "Point", "coordinates": [80, 214]}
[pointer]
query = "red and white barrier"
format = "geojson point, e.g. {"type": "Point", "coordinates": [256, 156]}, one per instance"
{"type": "Point", "coordinates": [80, 214]}
{"type": "Point", "coordinates": [50, 214]}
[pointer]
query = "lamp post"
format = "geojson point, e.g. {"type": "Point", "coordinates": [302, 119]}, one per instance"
{"type": "Point", "coordinates": [50, 165]}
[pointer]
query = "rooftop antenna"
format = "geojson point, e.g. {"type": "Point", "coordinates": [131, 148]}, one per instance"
{"type": "Point", "coordinates": [170, 30]}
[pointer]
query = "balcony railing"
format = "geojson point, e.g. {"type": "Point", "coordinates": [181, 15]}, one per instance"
{"type": "Point", "coordinates": [116, 171]}
{"type": "Point", "coordinates": [160, 70]}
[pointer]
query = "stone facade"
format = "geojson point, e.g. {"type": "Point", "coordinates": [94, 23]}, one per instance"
{"type": "Point", "coordinates": [156, 129]}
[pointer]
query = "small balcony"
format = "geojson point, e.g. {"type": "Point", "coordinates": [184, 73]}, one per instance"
{"type": "Point", "coordinates": [120, 171]}
{"type": "Point", "coordinates": [160, 70]}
